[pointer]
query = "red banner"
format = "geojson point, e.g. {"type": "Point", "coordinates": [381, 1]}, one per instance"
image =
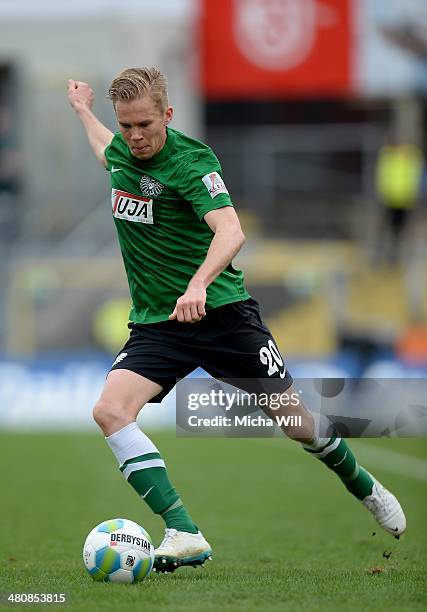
{"type": "Point", "coordinates": [275, 48]}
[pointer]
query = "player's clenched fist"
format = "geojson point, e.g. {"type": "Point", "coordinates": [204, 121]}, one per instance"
{"type": "Point", "coordinates": [190, 307]}
{"type": "Point", "coordinates": [80, 95]}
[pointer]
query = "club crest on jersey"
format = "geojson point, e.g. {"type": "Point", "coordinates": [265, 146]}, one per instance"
{"type": "Point", "coordinates": [150, 188]}
{"type": "Point", "coordinates": [214, 184]}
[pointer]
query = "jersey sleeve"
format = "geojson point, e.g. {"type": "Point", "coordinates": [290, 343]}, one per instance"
{"type": "Point", "coordinates": [111, 152]}
{"type": "Point", "coordinates": [201, 183]}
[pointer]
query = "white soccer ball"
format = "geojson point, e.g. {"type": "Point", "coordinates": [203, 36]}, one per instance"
{"type": "Point", "coordinates": [118, 550]}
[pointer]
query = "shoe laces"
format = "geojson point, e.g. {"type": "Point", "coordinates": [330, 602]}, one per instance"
{"type": "Point", "coordinates": [170, 534]}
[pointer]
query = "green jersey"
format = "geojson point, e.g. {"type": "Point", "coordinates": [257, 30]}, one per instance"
{"type": "Point", "coordinates": [158, 208]}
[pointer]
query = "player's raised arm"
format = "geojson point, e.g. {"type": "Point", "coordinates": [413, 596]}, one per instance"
{"type": "Point", "coordinates": [81, 98]}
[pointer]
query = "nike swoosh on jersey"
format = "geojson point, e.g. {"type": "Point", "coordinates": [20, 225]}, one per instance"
{"type": "Point", "coordinates": [113, 169]}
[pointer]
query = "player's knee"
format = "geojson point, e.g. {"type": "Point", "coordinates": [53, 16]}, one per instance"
{"type": "Point", "coordinates": [109, 416]}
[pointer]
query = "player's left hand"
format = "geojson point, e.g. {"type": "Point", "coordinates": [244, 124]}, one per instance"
{"type": "Point", "coordinates": [190, 307]}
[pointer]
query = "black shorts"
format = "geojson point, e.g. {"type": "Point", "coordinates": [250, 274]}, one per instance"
{"type": "Point", "coordinates": [230, 342]}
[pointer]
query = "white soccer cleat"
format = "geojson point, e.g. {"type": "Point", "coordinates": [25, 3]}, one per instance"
{"type": "Point", "coordinates": [385, 509]}
{"type": "Point", "coordinates": [180, 548]}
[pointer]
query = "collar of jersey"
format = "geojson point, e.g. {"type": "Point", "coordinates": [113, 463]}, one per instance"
{"type": "Point", "coordinates": [161, 156]}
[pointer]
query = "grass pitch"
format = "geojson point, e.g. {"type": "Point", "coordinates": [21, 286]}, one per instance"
{"type": "Point", "coordinates": [285, 533]}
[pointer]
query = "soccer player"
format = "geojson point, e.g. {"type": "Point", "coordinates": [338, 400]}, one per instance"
{"type": "Point", "coordinates": [178, 233]}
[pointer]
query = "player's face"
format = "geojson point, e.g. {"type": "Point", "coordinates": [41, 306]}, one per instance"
{"type": "Point", "coordinates": [143, 126]}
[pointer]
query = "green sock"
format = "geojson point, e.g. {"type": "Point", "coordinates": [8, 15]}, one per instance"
{"type": "Point", "coordinates": [148, 476]}
{"type": "Point", "coordinates": [336, 454]}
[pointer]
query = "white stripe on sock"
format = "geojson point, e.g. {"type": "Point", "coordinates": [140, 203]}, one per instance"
{"type": "Point", "coordinates": [142, 465]}
{"type": "Point", "coordinates": [176, 504]}
{"type": "Point", "coordinates": [317, 443]}
{"type": "Point", "coordinates": [327, 450]}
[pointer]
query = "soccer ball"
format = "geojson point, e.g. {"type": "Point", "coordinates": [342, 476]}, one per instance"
{"type": "Point", "coordinates": [118, 550]}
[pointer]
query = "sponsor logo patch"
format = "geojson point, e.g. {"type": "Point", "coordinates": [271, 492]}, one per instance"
{"type": "Point", "coordinates": [131, 207]}
{"type": "Point", "coordinates": [150, 188]}
{"type": "Point", "coordinates": [214, 184]}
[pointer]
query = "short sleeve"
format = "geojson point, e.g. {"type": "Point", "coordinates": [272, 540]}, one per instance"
{"type": "Point", "coordinates": [201, 183]}
{"type": "Point", "coordinates": [112, 152]}
{"type": "Point", "coordinates": [107, 155]}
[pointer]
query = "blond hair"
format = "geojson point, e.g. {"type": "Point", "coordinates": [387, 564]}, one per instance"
{"type": "Point", "coordinates": [134, 83]}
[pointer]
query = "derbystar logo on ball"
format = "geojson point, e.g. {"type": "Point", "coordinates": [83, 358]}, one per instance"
{"type": "Point", "coordinates": [125, 538]}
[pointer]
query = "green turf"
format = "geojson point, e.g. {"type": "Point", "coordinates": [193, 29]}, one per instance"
{"type": "Point", "coordinates": [285, 533]}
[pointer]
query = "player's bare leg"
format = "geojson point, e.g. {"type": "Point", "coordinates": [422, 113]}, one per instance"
{"type": "Point", "coordinates": [124, 394]}
{"type": "Point", "coordinates": [337, 455]}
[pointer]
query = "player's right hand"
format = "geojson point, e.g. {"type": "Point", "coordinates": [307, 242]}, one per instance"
{"type": "Point", "coordinates": [190, 307]}
{"type": "Point", "coordinates": [80, 95]}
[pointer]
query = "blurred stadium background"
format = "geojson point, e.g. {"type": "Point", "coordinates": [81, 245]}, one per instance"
{"type": "Point", "coordinates": [317, 110]}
